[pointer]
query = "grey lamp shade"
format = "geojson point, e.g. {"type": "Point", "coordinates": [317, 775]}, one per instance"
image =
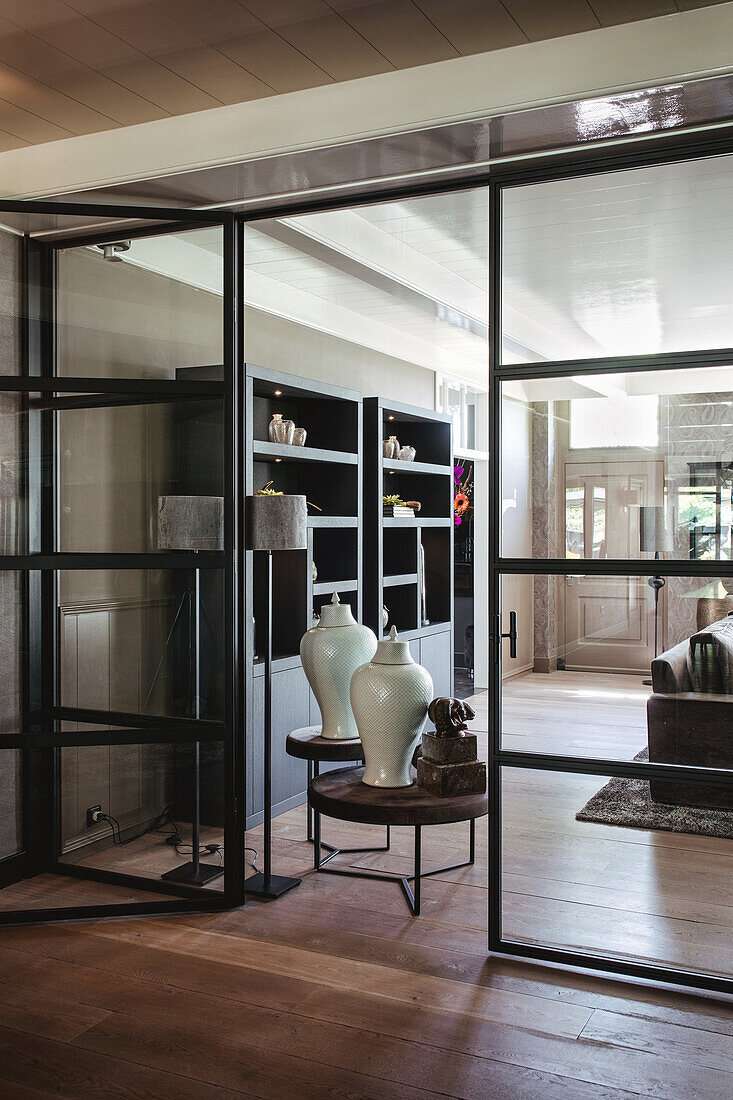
{"type": "Point", "coordinates": [653, 534]}
{"type": "Point", "coordinates": [277, 523]}
{"type": "Point", "coordinates": [190, 523]}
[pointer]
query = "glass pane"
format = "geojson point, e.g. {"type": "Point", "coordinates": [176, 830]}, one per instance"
{"type": "Point", "coordinates": [147, 794]}
{"type": "Point", "coordinates": [11, 303]}
{"type": "Point", "coordinates": [14, 409]}
{"type": "Point", "coordinates": [13, 653]}
{"type": "Point", "coordinates": [605, 670]}
{"type": "Point", "coordinates": [389, 299]}
{"type": "Point", "coordinates": [625, 887]}
{"type": "Point", "coordinates": [11, 802]}
{"type": "Point", "coordinates": [582, 480]}
{"type": "Point", "coordinates": [145, 311]}
{"type": "Point", "coordinates": [142, 642]}
{"type": "Point", "coordinates": [144, 787]}
{"type": "Point", "coordinates": [121, 461]}
{"type": "Point", "coordinates": [621, 263]}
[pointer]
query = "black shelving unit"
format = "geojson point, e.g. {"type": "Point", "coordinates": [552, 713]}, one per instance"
{"type": "Point", "coordinates": [328, 471]}
{"type": "Point", "coordinates": [393, 575]}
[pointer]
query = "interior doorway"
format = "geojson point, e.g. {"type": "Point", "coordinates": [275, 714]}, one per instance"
{"type": "Point", "coordinates": [608, 621]}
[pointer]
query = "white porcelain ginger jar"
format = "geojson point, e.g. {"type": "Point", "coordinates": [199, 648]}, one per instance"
{"type": "Point", "coordinates": [331, 651]}
{"type": "Point", "coordinates": [390, 698]}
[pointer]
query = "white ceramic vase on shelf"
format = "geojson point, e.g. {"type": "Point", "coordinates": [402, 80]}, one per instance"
{"type": "Point", "coordinates": [390, 698]}
{"type": "Point", "coordinates": [331, 652]}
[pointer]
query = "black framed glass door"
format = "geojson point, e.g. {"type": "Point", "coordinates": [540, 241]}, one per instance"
{"type": "Point", "coordinates": [610, 769]}
{"type": "Point", "coordinates": [121, 745]}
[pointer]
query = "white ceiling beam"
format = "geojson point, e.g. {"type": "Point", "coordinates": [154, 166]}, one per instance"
{"type": "Point", "coordinates": [603, 385]}
{"type": "Point", "coordinates": [645, 54]}
{"type": "Point", "coordinates": [184, 261]}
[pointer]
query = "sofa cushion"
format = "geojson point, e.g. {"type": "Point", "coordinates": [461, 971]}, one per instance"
{"type": "Point", "coordinates": [670, 672]}
{"type": "Point", "coordinates": [710, 661]}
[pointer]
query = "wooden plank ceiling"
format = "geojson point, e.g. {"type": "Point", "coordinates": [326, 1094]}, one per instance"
{"type": "Point", "coordinates": [71, 67]}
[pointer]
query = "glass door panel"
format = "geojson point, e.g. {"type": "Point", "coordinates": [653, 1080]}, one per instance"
{"type": "Point", "coordinates": [116, 592]}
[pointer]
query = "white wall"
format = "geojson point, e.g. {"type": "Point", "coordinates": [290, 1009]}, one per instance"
{"type": "Point", "coordinates": [279, 344]}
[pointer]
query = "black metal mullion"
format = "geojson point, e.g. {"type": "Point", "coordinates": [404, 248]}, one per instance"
{"type": "Point", "coordinates": [615, 965]}
{"type": "Point", "coordinates": [120, 909]}
{"type": "Point", "coordinates": [233, 318]}
{"type": "Point", "coordinates": [174, 559]}
{"type": "Point", "coordinates": [618, 567]}
{"type": "Point", "coordinates": [37, 763]}
{"type": "Point", "coordinates": [161, 215]}
{"type": "Point", "coordinates": [155, 885]}
{"type": "Point", "coordinates": [671, 149]}
{"type": "Point", "coordinates": [148, 736]}
{"type": "Point", "coordinates": [83, 384]}
{"type": "Point", "coordinates": [59, 239]}
{"type": "Point", "coordinates": [134, 720]}
{"type": "Point", "coordinates": [624, 769]}
{"type": "Point", "coordinates": [494, 580]}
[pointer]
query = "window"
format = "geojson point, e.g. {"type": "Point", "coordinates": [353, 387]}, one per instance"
{"type": "Point", "coordinates": [614, 422]}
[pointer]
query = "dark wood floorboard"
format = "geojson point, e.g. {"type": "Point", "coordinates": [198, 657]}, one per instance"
{"type": "Point", "coordinates": [336, 991]}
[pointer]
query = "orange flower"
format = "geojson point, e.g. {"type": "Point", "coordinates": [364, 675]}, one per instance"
{"type": "Point", "coordinates": [461, 503]}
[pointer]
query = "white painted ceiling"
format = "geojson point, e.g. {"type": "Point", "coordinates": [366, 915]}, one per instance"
{"type": "Point", "coordinates": [624, 263]}
{"type": "Point", "coordinates": [620, 263]}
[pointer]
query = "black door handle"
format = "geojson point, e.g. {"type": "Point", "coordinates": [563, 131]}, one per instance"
{"type": "Point", "coordinates": [512, 635]}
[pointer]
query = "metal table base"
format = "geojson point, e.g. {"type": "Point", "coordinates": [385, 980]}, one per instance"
{"type": "Point", "coordinates": [313, 830]}
{"type": "Point", "coordinates": [412, 896]}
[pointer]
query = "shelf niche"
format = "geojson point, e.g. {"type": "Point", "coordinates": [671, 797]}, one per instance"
{"type": "Point", "coordinates": [332, 422]}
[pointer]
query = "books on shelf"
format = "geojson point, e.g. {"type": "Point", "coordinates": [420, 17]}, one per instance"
{"type": "Point", "coordinates": [395, 510]}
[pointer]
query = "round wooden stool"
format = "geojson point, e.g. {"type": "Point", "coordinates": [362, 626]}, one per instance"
{"type": "Point", "coordinates": [342, 794]}
{"type": "Point", "coordinates": [307, 744]}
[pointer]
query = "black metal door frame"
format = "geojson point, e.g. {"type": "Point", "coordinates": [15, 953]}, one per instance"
{"type": "Point", "coordinates": [666, 149]}
{"type": "Point", "coordinates": [500, 758]}
{"type": "Point", "coordinates": [40, 738]}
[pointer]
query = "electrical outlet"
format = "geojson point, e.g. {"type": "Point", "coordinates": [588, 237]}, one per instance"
{"type": "Point", "coordinates": [94, 816]}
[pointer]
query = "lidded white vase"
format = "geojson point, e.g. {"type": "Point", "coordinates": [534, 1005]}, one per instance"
{"type": "Point", "coordinates": [389, 698]}
{"type": "Point", "coordinates": [331, 652]}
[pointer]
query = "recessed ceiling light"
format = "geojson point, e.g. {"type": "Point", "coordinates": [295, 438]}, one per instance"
{"type": "Point", "coordinates": [390, 418]}
{"type": "Point", "coordinates": [278, 393]}
{"type": "Point", "coordinates": [278, 460]}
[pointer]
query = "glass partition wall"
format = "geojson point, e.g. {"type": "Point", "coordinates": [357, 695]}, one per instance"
{"type": "Point", "coordinates": [611, 839]}
{"type": "Point", "coordinates": [118, 523]}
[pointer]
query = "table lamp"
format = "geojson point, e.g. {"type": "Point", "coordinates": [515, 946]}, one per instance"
{"type": "Point", "coordinates": [274, 523]}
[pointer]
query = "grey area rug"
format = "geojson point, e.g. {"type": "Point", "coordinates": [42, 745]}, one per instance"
{"type": "Point", "coordinates": [628, 802]}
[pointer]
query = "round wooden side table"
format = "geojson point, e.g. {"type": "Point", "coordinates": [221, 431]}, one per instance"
{"type": "Point", "coordinates": [307, 744]}
{"type": "Point", "coordinates": [342, 794]}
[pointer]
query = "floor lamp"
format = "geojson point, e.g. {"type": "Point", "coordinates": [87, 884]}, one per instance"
{"type": "Point", "coordinates": [652, 539]}
{"type": "Point", "coordinates": [274, 523]}
{"type": "Point", "coordinates": [193, 524]}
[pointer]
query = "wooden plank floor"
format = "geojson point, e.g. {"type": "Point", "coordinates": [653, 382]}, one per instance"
{"type": "Point", "coordinates": [335, 990]}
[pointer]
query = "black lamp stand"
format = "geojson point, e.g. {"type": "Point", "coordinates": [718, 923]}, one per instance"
{"type": "Point", "coordinates": [194, 872]}
{"type": "Point", "coordinates": [264, 884]}
{"type": "Point", "coordinates": [657, 584]}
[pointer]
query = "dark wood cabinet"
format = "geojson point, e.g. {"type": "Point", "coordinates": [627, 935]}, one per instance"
{"type": "Point", "coordinates": [369, 560]}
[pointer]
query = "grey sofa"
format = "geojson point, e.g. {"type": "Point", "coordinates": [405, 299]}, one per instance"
{"type": "Point", "coordinates": [687, 726]}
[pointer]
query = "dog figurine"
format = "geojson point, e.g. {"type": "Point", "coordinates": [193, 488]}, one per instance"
{"type": "Point", "coordinates": [450, 717]}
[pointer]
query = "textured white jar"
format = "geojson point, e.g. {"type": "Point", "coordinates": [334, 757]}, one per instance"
{"type": "Point", "coordinates": [390, 697]}
{"type": "Point", "coordinates": [331, 652]}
